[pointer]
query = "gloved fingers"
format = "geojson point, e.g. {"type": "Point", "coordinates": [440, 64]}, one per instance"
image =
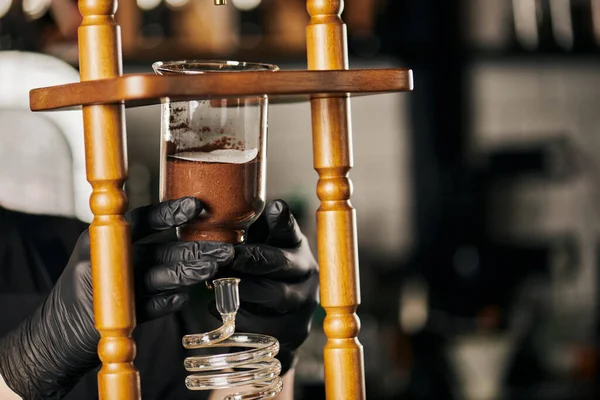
{"type": "Point", "coordinates": [258, 232]}
{"type": "Point", "coordinates": [152, 307]}
{"type": "Point", "coordinates": [273, 262]}
{"type": "Point", "coordinates": [145, 221]}
{"type": "Point", "coordinates": [179, 274]}
{"type": "Point", "coordinates": [155, 218]}
{"type": "Point", "coordinates": [274, 297]}
{"type": "Point", "coordinates": [283, 228]}
{"type": "Point", "coordinates": [157, 254]}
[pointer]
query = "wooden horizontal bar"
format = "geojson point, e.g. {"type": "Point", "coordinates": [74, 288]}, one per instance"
{"type": "Point", "coordinates": [281, 86]}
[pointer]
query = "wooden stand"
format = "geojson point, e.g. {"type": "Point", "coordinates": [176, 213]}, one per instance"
{"type": "Point", "coordinates": [110, 239]}
{"type": "Point", "coordinates": [336, 219]}
{"type": "Point", "coordinates": [103, 93]}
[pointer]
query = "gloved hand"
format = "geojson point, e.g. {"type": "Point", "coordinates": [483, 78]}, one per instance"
{"type": "Point", "coordinates": [279, 281]}
{"type": "Point", "coordinates": [55, 346]}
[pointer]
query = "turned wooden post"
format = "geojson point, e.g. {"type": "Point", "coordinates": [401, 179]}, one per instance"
{"type": "Point", "coordinates": [336, 219]}
{"type": "Point", "coordinates": [110, 236]}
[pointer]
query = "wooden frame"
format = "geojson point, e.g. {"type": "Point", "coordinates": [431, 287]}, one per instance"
{"type": "Point", "coordinates": [282, 86]}
{"type": "Point", "coordinates": [103, 93]}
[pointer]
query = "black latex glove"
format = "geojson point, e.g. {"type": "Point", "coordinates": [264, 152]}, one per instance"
{"type": "Point", "coordinates": [279, 281]}
{"type": "Point", "coordinates": [57, 345]}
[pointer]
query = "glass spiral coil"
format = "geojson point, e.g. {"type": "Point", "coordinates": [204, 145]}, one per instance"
{"type": "Point", "coordinates": [256, 367]}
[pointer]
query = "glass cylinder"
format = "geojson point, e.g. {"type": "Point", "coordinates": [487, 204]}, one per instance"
{"type": "Point", "coordinates": [215, 150]}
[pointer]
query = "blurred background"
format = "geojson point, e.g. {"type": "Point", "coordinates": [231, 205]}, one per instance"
{"type": "Point", "coordinates": [478, 195]}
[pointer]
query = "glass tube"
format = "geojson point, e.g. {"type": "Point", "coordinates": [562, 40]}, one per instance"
{"type": "Point", "coordinates": [255, 366]}
{"type": "Point", "coordinates": [215, 150]}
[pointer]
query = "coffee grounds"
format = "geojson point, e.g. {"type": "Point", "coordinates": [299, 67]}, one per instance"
{"type": "Point", "coordinates": [226, 142]}
{"type": "Point", "coordinates": [232, 195]}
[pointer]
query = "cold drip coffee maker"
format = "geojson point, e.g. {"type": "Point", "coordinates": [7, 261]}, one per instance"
{"type": "Point", "coordinates": [215, 150]}
{"type": "Point", "coordinates": [328, 84]}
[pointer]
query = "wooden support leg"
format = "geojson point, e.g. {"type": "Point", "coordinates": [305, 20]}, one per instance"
{"type": "Point", "coordinates": [110, 236]}
{"type": "Point", "coordinates": [336, 219]}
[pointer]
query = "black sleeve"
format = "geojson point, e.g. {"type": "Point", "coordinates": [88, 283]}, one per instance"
{"type": "Point", "coordinates": [33, 252]}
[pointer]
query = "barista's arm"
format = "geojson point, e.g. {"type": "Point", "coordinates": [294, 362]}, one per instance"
{"type": "Point", "coordinates": [61, 331]}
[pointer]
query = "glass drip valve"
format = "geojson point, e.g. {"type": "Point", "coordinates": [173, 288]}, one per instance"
{"type": "Point", "coordinates": [254, 367]}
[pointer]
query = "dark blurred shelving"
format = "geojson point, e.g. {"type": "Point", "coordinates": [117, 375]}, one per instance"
{"type": "Point", "coordinates": [268, 50]}
{"type": "Point", "coordinates": [531, 29]}
{"type": "Point", "coordinates": [517, 56]}
{"type": "Point", "coordinates": [452, 191]}
{"type": "Point", "coordinates": [275, 30]}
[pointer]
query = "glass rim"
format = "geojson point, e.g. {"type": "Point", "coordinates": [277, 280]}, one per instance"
{"type": "Point", "coordinates": [190, 67]}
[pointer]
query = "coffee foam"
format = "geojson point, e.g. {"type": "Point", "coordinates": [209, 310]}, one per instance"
{"type": "Point", "coordinates": [227, 156]}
